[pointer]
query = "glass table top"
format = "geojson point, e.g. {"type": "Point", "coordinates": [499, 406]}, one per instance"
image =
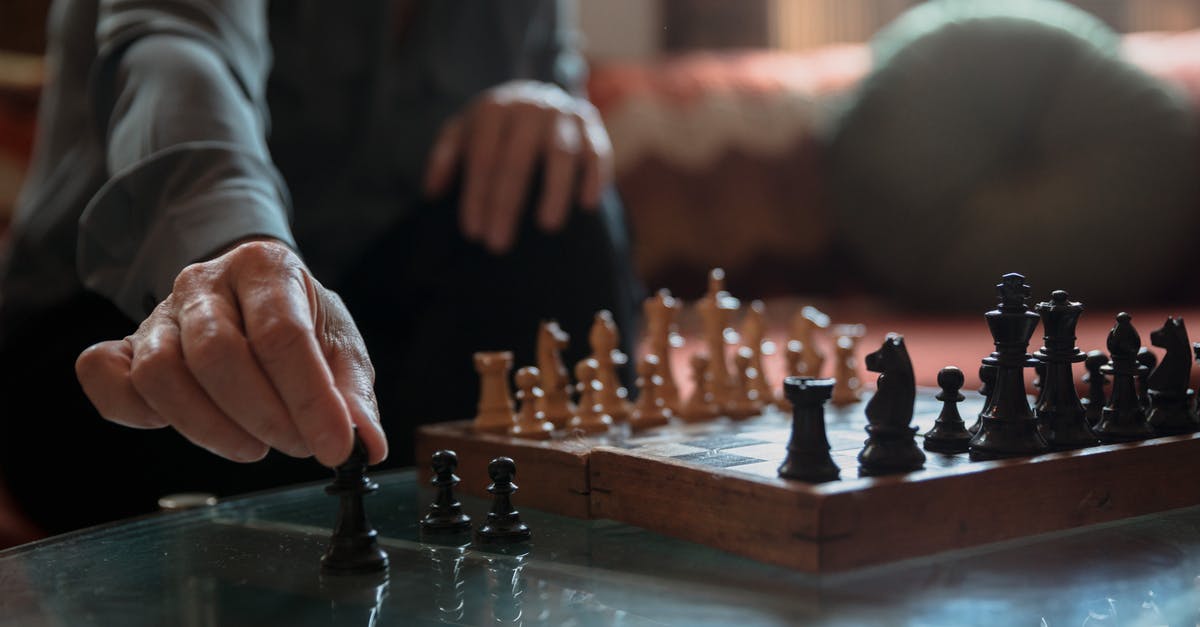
{"type": "Point", "coordinates": [255, 560]}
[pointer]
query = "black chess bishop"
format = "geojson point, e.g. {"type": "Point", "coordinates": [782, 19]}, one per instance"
{"type": "Point", "coordinates": [1007, 427]}
{"type": "Point", "coordinates": [1123, 419]}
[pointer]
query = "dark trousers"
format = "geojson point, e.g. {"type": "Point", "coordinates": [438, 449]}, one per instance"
{"type": "Point", "coordinates": [424, 299]}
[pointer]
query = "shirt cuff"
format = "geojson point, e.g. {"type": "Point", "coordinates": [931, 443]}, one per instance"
{"type": "Point", "coordinates": [172, 209]}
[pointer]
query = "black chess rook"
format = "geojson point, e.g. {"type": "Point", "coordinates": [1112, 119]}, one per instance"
{"type": "Point", "coordinates": [503, 524]}
{"type": "Point", "coordinates": [949, 433]}
{"type": "Point", "coordinates": [1007, 427]}
{"type": "Point", "coordinates": [354, 547]}
{"type": "Point", "coordinates": [445, 513]}
{"type": "Point", "coordinates": [808, 457]}
{"type": "Point", "coordinates": [1062, 419]}
{"type": "Point", "coordinates": [891, 445]}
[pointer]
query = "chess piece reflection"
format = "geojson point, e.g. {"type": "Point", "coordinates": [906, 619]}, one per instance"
{"type": "Point", "coordinates": [354, 547]}
{"type": "Point", "coordinates": [354, 599]}
{"type": "Point", "coordinates": [495, 398]}
{"type": "Point", "coordinates": [555, 402]}
{"type": "Point", "coordinates": [448, 582]}
{"type": "Point", "coordinates": [506, 586]}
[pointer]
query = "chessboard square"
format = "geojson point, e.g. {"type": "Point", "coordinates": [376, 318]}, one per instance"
{"type": "Point", "coordinates": [761, 469]}
{"type": "Point", "coordinates": [766, 450]}
{"type": "Point", "coordinates": [665, 449]}
{"type": "Point", "coordinates": [846, 440]}
{"type": "Point", "coordinates": [717, 459]}
{"type": "Point", "coordinates": [722, 442]}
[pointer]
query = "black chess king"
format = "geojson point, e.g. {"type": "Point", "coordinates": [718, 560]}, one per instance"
{"type": "Point", "coordinates": [1007, 427]}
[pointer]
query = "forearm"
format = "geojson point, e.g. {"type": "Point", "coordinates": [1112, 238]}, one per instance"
{"type": "Point", "coordinates": [178, 97]}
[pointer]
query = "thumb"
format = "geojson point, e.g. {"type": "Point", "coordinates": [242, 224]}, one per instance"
{"type": "Point", "coordinates": [353, 374]}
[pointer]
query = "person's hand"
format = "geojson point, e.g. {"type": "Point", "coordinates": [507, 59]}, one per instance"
{"type": "Point", "coordinates": [498, 141]}
{"type": "Point", "coordinates": [249, 352]}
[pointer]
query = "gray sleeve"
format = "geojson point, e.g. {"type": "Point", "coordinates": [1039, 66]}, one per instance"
{"type": "Point", "coordinates": [178, 92]}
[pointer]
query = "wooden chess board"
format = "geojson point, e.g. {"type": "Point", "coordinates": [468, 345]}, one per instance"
{"type": "Point", "coordinates": [716, 484]}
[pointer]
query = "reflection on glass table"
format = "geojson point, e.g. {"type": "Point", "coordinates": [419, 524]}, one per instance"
{"type": "Point", "coordinates": [256, 561]}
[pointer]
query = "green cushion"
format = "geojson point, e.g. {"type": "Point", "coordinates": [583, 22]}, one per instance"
{"type": "Point", "coordinates": [1002, 136]}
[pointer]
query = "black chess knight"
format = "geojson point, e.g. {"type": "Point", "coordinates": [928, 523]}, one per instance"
{"type": "Point", "coordinates": [808, 456]}
{"type": "Point", "coordinates": [354, 548]}
{"type": "Point", "coordinates": [891, 445]}
{"type": "Point", "coordinates": [1167, 386]}
{"type": "Point", "coordinates": [1123, 419]}
{"type": "Point", "coordinates": [1007, 427]}
{"type": "Point", "coordinates": [445, 513]}
{"type": "Point", "coordinates": [1062, 419]}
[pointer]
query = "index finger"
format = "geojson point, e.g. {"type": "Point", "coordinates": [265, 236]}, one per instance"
{"type": "Point", "coordinates": [280, 325]}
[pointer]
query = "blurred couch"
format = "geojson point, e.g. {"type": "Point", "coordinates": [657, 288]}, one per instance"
{"type": "Point", "coordinates": [722, 159]}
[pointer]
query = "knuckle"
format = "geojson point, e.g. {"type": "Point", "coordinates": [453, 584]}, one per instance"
{"type": "Point", "coordinates": [209, 345]}
{"type": "Point", "coordinates": [154, 369]}
{"type": "Point", "coordinates": [190, 277]}
{"type": "Point", "coordinates": [278, 335]}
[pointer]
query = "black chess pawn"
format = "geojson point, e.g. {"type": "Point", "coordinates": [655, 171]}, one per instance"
{"type": "Point", "coordinates": [1062, 419]}
{"type": "Point", "coordinates": [987, 381]}
{"type": "Point", "coordinates": [1039, 378]}
{"type": "Point", "coordinates": [1147, 358]}
{"type": "Point", "coordinates": [808, 456]}
{"type": "Point", "coordinates": [1007, 427]}
{"type": "Point", "coordinates": [354, 547]}
{"type": "Point", "coordinates": [949, 433]}
{"type": "Point", "coordinates": [503, 524]}
{"type": "Point", "coordinates": [1123, 419]}
{"type": "Point", "coordinates": [445, 513]}
{"type": "Point", "coordinates": [1170, 411]}
{"type": "Point", "coordinates": [1096, 382]}
{"type": "Point", "coordinates": [891, 445]}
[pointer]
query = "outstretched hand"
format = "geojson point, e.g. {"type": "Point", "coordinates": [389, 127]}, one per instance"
{"type": "Point", "coordinates": [499, 140]}
{"type": "Point", "coordinates": [248, 353]}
